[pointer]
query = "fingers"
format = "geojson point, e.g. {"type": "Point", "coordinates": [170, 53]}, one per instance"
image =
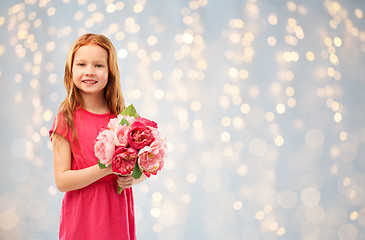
{"type": "Point", "coordinates": [125, 181]}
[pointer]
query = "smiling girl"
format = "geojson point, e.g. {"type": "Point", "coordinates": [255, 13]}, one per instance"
{"type": "Point", "coordinates": [91, 207]}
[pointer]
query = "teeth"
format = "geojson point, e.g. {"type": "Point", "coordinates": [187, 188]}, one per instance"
{"type": "Point", "coordinates": [89, 81]}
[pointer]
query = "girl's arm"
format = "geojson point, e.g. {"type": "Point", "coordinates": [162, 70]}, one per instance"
{"type": "Point", "coordinates": [67, 179]}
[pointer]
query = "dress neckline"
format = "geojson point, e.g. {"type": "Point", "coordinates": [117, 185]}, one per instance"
{"type": "Point", "coordinates": [95, 114]}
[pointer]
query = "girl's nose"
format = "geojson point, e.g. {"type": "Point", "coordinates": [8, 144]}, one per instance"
{"type": "Point", "coordinates": [90, 70]}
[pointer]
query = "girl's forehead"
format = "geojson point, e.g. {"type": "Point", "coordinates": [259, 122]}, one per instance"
{"type": "Point", "coordinates": [91, 51]}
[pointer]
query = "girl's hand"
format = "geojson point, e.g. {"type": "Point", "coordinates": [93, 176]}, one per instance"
{"type": "Point", "coordinates": [125, 181]}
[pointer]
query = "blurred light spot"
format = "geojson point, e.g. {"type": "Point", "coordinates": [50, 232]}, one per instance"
{"type": "Point", "coordinates": [226, 121]}
{"type": "Point", "coordinates": [18, 78]}
{"type": "Point", "coordinates": [144, 189]}
{"type": "Point", "coordinates": [291, 6]}
{"type": "Point", "coordinates": [310, 56]}
{"type": "Point", "coordinates": [78, 15]}
{"type": "Point", "coordinates": [257, 147]}
{"type": "Point", "coordinates": [119, 36]}
{"type": "Point", "coordinates": [47, 115]}
{"type": "Point", "coordinates": [186, 198]}
{"type": "Point", "coordinates": [169, 214]}
{"type": "Point", "coordinates": [315, 214]}
{"type": "Point", "coordinates": [274, 226]}
{"type": "Point", "coordinates": [252, 8]}
{"type": "Point", "coordinates": [254, 91]}
{"type": "Point", "coordinates": [170, 184]}
{"type": "Point", "coordinates": [291, 102]}
{"type": "Point", "coordinates": [156, 56]}
{"type": "Point", "coordinates": [314, 138]}
{"type": "Point", "coordinates": [279, 141]}
{"type": "Point", "coordinates": [122, 53]}
{"type": "Point", "coordinates": [224, 101]}
{"type": "Point", "coordinates": [310, 197]}
{"type": "Point", "coordinates": [362, 217]}
{"type": "Point", "coordinates": [281, 231]}
{"type": "Point", "coordinates": [237, 205]}
{"type": "Point", "coordinates": [187, 38]}
{"type": "Point", "coordinates": [243, 74]}
{"type": "Point", "coordinates": [43, 131]}
{"type": "Point", "coordinates": [271, 41]}
{"type": "Point", "coordinates": [260, 215]}
{"type": "Point", "coordinates": [337, 117]}
{"type": "Point", "coordinates": [354, 215]}
{"type": "Point", "coordinates": [358, 13]}
{"type": "Point", "coordinates": [280, 108]}
{"type": "Point", "coordinates": [152, 40]}
{"type": "Point", "coordinates": [191, 178]}
{"type": "Point", "coordinates": [236, 23]}
{"type": "Point", "coordinates": [18, 97]}
{"type": "Point", "coordinates": [138, 8]}
{"type": "Point", "coordinates": [156, 196]}
{"type": "Point", "coordinates": [8, 219]}
{"type": "Point", "coordinates": [159, 94]}
{"type": "Point", "coordinates": [52, 190]}
{"type": "Point", "coordinates": [289, 91]}
{"type": "Point", "coordinates": [34, 83]}
{"type": "Point", "coordinates": [155, 212]}
{"type": "Point", "coordinates": [273, 19]}
{"type": "Point", "coordinates": [51, 11]}
{"type": "Point", "coordinates": [110, 8]}
{"type": "Point", "coordinates": [337, 41]}
{"type": "Point", "coordinates": [269, 116]}
{"type": "Point", "coordinates": [242, 170]}
{"type": "Point", "coordinates": [113, 27]}
{"type": "Point", "coordinates": [347, 232]}
{"type": "Point", "coordinates": [238, 122]}
{"type": "Point", "coordinates": [157, 228]}
{"type": "Point", "coordinates": [195, 106]}
{"type": "Point", "coordinates": [225, 136]}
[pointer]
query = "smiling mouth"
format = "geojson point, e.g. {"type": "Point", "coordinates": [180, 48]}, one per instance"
{"type": "Point", "coordinates": [89, 81]}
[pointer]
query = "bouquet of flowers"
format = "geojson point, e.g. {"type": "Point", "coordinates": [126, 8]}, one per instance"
{"type": "Point", "coordinates": [131, 144]}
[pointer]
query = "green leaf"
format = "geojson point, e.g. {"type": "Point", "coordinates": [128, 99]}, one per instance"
{"type": "Point", "coordinates": [137, 173]}
{"type": "Point", "coordinates": [124, 121]}
{"type": "Point", "coordinates": [101, 165]}
{"type": "Point", "coordinates": [129, 111]}
{"type": "Point", "coordinates": [120, 190]}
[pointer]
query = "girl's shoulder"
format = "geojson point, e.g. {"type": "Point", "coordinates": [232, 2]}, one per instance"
{"type": "Point", "coordinates": [60, 125]}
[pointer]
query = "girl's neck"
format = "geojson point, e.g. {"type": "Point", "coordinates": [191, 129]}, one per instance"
{"type": "Point", "coordinates": [97, 105]}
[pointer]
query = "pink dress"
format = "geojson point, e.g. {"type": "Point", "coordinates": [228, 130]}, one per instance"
{"type": "Point", "coordinates": [95, 211]}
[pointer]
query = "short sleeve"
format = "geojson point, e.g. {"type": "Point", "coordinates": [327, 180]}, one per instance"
{"type": "Point", "coordinates": [59, 126]}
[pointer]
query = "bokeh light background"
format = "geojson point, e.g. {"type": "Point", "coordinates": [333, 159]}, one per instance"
{"type": "Point", "coordinates": [262, 103]}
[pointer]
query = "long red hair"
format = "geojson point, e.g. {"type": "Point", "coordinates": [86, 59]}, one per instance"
{"type": "Point", "coordinates": [112, 92]}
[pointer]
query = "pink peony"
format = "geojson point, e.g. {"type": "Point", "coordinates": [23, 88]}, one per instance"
{"type": "Point", "coordinates": [150, 158]}
{"type": "Point", "coordinates": [124, 160]}
{"type": "Point", "coordinates": [104, 147]}
{"type": "Point", "coordinates": [146, 122]}
{"type": "Point", "coordinates": [140, 135]}
{"type": "Point", "coordinates": [121, 135]}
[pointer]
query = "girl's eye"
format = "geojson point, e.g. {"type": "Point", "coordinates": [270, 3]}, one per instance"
{"type": "Point", "coordinates": [81, 64]}
{"type": "Point", "coordinates": [99, 65]}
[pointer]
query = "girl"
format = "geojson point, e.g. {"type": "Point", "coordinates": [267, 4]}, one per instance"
{"type": "Point", "coordinates": [91, 208]}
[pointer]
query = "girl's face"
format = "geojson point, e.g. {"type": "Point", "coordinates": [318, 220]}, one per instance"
{"type": "Point", "coordinates": [90, 69]}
